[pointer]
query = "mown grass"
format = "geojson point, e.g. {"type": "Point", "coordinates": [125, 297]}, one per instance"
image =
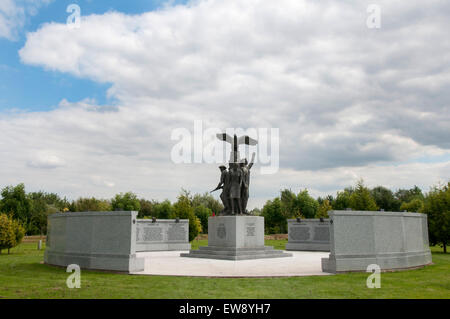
{"type": "Point", "coordinates": [22, 275]}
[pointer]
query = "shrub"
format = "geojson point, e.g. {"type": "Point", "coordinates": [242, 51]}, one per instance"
{"type": "Point", "coordinates": [323, 210]}
{"type": "Point", "coordinates": [203, 214]}
{"type": "Point", "coordinates": [183, 209]}
{"type": "Point", "coordinates": [415, 205]}
{"type": "Point", "coordinates": [11, 232]}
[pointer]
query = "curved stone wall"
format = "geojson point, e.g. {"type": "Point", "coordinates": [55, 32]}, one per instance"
{"type": "Point", "coordinates": [93, 240]}
{"type": "Point", "coordinates": [392, 240]}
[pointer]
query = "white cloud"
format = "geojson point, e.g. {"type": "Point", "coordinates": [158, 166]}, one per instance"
{"type": "Point", "coordinates": [348, 100]}
{"type": "Point", "coordinates": [13, 15]}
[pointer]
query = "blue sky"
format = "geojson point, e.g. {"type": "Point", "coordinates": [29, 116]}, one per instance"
{"type": "Point", "coordinates": [29, 88]}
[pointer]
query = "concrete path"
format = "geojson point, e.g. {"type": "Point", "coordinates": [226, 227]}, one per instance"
{"type": "Point", "coordinates": [170, 263]}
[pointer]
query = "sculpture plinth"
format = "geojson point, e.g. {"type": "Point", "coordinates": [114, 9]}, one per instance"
{"type": "Point", "coordinates": [236, 238]}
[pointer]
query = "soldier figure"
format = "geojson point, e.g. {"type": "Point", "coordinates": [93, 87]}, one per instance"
{"type": "Point", "coordinates": [236, 180]}
{"type": "Point", "coordinates": [245, 167]}
{"type": "Point", "coordinates": [224, 184]}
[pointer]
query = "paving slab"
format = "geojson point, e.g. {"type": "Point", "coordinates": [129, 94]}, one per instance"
{"type": "Point", "coordinates": [169, 263]}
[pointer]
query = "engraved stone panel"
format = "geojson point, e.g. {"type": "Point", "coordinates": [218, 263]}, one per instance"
{"type": "Point", "coordinates": [221, 231]}
{"type": "Point", "coordinates": [251, 229]}
{"type": "Point", "coordinates": [322, 234]}
{"type": "Point", "coordinates": [300, 233]}
{"type": "Point", "coordinates": [153, 234]}
{"type": "Point", "coordinates": [176, 232]}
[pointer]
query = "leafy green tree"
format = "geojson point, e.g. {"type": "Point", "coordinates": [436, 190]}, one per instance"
{"type": "Point", "coordinates": [361, 199]}
{"type": "Point", "coordinates": [147, 208]}
{"type": "Point", "coordinates": [385, 199]}
{"type": "Point", "coordinates": [90, 205]}
{"type": "Point", "coordinates": [415, 205]}
{"type": "Point", "coordinates": [288, 203]}
{"type": "Point", "coordinates": [255, 211]}
{"type": "Point", "coordinates": [15, 203]}
{"type": "Point", "coordinates": [7, 234]}
{"type": "Point", "coordinates": [127, 202]}
{"type": "Point", "coordinates": [324, 208]}
{"type": "Point", "coordinates": [437, 208]}
{"type": "Point", "coordinates": [407, 195]}
{"type": "Point", "coordinates": [203, 213]}
{"type": "Point", "coordinates": [342, 200]}
{"type": "Point", "coordinates": [11, 232]}
{"type": "Point", "coordinates": [184, 210]}
{"type": "Point", "coordinates": [305, 205]}
{"type": "Point", "coordinates": [163, 210]}
{"type": "Point", "coordinates": [274, 220]}
{"type": "Point", "coordinates": [208, 201]}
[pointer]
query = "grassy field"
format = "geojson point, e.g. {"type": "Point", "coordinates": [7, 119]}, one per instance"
{"type": "Point", "coordinates": [23, 276]}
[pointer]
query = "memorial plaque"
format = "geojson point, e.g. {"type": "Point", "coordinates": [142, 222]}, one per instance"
{"type": "Point", "coordinates": [251, 229]}
{"type": "Point", "coordinates": [322, 234]}
{"type": "Point", "coordinates": [153, 234]}
{"type": "Point", "coordinates": [176, 232]}
{"type": "Point", "coordinates": [221, 231]}
{"type": "Point", "coordinates": [300, 233]}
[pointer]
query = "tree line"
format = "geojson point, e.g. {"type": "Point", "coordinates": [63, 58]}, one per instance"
{"type": "Point", "coordinates": [30, 210]}
{"type": "Point", "coordinates": [435, 203]}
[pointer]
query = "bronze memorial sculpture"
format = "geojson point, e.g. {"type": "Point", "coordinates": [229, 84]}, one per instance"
{"type": "Point", "coordinates": [235, 181]}
{"type": "Point", "coordinates": [233, 234]}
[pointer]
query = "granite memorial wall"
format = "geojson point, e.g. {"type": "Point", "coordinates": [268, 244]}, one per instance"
{"type": "Point", "coordinates": [308, 234]}
{"type": "Point", "coordinates": [392, 240]}
{"type": "Point", "coordinates": [93, 240]}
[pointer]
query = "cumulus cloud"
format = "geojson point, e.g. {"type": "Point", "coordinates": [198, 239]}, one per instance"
{"type": "Point", "coordinates": [344, 97]}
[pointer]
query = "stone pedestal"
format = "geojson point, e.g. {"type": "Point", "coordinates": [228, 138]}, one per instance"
{"type": "Point", "coordinates": [236, 238]}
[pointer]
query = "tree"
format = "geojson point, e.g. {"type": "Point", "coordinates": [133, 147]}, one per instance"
{"type": "Point", "coordinates": [407, 195]}
{"type": "Point", "coordinates": [203, 213]}
{"type": "Point", "coordinates": [163, 210]}
{"type": "Point", "coordinates": [437, 208]}
{"type": "Point", "coordinates": [324, 208]}
{"type": "Point", "coordinates": [147, 208]}
{"type": "Point", "coordinates": [90, 205]}
{"type": "Point", "coordinates": [342, 200]}
{"type": "Point", "coordinates": [208, 201]}
{"type": "Point", "coordinates": [274, 220]}
{"type": "Point", "coordinates": [183, 209]}
{"type": "Point", "coordinates": [127, 202]}
{"type": "Point", "coordinates": [305, 205]}
{"type": "Point", "coordinates": [416, 205]}
{"type": "Point", "coordinates": [7, 235]}
{"type": "Point", "coordinates": [361, 199]}
{"type": "Point", "coordinates": [11, 232]}
{"type": "Point", "coordinates": [288, 203]}
{"type": "Point", "coordinates": [15, 203]}
{"type": "Point", "coordinates": [385, 199]}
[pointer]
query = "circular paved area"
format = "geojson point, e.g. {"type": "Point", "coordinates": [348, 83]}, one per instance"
{"type": "Point", "coordinates": [169, 263]}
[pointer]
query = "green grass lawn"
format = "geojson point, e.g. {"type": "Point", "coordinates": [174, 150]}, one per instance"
{"type": "Point", "coordinates": [23, 276]}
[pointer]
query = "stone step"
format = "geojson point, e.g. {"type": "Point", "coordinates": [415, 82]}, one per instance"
{"type": "Point", "coordinates": [232, 249]}
{"type": "Point", "coordinates": [236, 257]}
{"type": "Point", "coordinates": [228, 252]}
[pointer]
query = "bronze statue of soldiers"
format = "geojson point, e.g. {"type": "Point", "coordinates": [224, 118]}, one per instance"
{"type": "Point", "coordinates": [236, 178]}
